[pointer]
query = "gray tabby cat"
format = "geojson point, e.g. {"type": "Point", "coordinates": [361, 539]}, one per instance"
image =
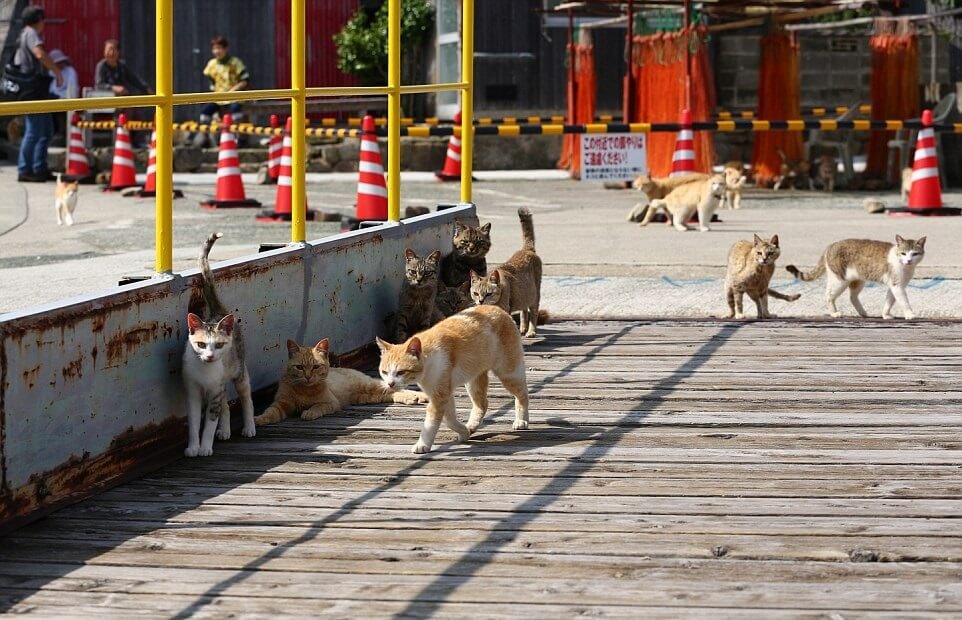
{"type": "Point", "coordinates": [417, 308]}
{"type": "Point", "coordinates": [213, 357]}
{"type": "Point", "coordinates": [851, 262]}
{"type": "Point", "coordinates": [515, 286]}
{"type": "Point", "coordinates": [470, 246]}
{"type": "Point", "coordinates": [452, 300]}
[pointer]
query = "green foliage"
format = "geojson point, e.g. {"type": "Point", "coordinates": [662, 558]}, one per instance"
{"type": "Point", "coordinates": [362, 43]}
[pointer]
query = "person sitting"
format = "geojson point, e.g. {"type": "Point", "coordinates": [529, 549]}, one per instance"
{"type": "Point", "coordinates": [113, 74]}
{"type": "Point", "coordinates": [226, 74]}
{"type": "Point", "coordinates": [69, 90]}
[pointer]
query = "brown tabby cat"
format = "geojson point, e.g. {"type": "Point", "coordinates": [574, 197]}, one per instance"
{"type": "Point", "coordinates": [515, 286]}
{"type": "Point", "coordinates": [417, 308]}
{"type": "Point", "coordinates": [750, 269]}
{"type": "Point", "coordinates": [311, 386]}
{"type": "Point", "coordinates": [452, 300]}
{"type": "Point", "coordinates": [470, 245]}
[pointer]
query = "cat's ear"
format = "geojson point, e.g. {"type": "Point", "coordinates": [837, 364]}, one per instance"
{"type": "Point", "coordinates": [758, 239]}
{"type": "Point", "coordinates": [474, 275]}
{"type": "Point", "coordinates": [193, 322]}
{"type": "Point", "coordinates": [920, 244]}
{"type": "Point", "coordinates": [495, 276]}
{"type": "Point", "coordinates": [899, 240]}
{"type": "Point", "coordinates": [226, 324]}
{"type": "Point", "coordinates": [434, 256]}
{"type": "Point", "coordinates": [774, 240]}
{"type": "Point", "coordinates": [486, 228]}
{"type": "Point", "coordinates": [409, 254]}
{"type": "Point", "coordinates": [323, 346]}
{"type": "Point", "coordinates": [383, 345]}
{"type": "Point", "coordinates": [458, 226]}
{"type": "Point", "coordinates": [292, 348]}
{"type": "Point", "coordinates": [414, 347]}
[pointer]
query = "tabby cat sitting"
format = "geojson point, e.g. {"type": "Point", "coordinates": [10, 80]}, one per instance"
{"type": "Point", "coordinates": [470, 247]}
{"type": "Point", "coordinates": [417, 306]}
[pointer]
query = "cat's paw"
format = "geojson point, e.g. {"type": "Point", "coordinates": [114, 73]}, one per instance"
{"type": "Point", "coordinates": [205, 451]}
{"type": "Point", "coordinates": [464, 435]}
{"type": "Point", "coordinates": [769, 316]}
{"type": "Point", "coordinates": [311, 414]}
{"type": "Point", "coordinates": [421, 448]}
{"type": "Point", "coordinates": [704, 228]}
{"type": "Point", "coordinates": [192, 451]}
{"type": "Point", "coordinates": [909, 315]}
{"type": "Point", "coordinates": [222, 435]}
{"type": "Point", "coordinates": [410, 397]}
{"type": "Point", "coordinates": [263, 419]}
{"type": "Point", "coordinates": [530, 334]}
{"type": "Point", "coordinates": [887, 317]}
{"type": "Point", "coordinates": [520, 425]}
{"type": "Point", "coordinates": [739, 315]}
{"type": "Point", "coordinates": [835, 315]}
{"type": "Point", "coordinates": [473, 427]}
{"type": "Point", "coordinates": [249, 431]}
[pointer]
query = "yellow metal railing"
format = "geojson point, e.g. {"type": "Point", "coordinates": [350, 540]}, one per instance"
{"type": "Point", "coordinates": [165, 99]}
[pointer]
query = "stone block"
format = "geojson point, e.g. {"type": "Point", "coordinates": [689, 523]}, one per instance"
{"type": "Point", "coordinates": [331, 154]}
{"type": "Point", "coordinates": [349, 150]}
{"type": "Point", "coordinates": [187, 159]}
{"type": "Point", "coordinates": [318, 165]}
{"type": "Point", "coordinates": [346, 166]}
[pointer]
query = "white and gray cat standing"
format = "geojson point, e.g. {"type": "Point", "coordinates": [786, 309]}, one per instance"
{"type": "Point", "coordinates": [213, 358]}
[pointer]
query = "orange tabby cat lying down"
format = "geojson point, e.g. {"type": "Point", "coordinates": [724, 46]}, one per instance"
{"type": "Point", "coordinates": [460, 350]}
{"type": "Point", "coordinates": [311, 386]}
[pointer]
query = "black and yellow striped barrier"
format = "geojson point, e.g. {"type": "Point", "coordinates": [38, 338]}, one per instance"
{"type": "Point", "coordinates": [813, 111]}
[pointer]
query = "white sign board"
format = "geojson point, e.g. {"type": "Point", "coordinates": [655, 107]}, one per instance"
{"type": "Point", "coordinates": [613, 157]}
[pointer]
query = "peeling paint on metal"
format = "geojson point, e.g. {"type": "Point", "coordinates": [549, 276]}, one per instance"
{"type": "Point", "coordinates": [125, 342]}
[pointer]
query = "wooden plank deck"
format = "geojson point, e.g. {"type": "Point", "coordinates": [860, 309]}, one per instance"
{"type": "Point", "coordinates": [696, 469]}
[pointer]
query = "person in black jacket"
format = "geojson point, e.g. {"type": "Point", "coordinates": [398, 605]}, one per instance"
{"type": "Point", "coordinates": [32, 58]}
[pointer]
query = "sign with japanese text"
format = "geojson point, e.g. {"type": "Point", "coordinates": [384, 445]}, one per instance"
{"type": "Point", "coordinates": [613, 157]}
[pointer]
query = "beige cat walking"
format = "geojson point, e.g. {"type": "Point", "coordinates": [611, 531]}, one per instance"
{"type": "Point", "coordinates": [851, 262]}
{"type": "Point", "coordinates": [459, 350]}
{"type": "Point", "coordinates": [701, 196]}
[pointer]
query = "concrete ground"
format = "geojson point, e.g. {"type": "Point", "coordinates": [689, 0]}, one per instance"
{"type": "Point", "coordinates": [596, 263]}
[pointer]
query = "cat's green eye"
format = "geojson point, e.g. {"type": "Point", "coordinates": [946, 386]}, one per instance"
{"type": "Point", "coordinates": [201, 345]}
{"type": "Point", "coordinates": [219, 345]}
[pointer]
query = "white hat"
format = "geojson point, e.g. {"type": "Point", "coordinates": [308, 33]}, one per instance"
{"type": "Point", "coordinates": [58, 56]}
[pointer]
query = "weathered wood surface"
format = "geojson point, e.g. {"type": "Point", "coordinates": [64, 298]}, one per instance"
{"type": "Point", "coordinates": [695, 469]}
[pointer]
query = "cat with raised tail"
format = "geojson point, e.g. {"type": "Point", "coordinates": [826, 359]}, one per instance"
{"type": "Point", "coordinates": [460, 350]}
{"type": "Point", "coordinates": [750, 268]}
{"type": "Point", "coordinates": [213, 358]}
{"type": "Point", "coordinates": [310, 386]}
{"type": "Point", "coordinates": [851, 263]}
{"type": "Point", "coordinates": [515, 286]}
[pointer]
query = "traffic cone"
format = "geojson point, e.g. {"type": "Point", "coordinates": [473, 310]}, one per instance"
{"type": "Point", "coordinates": [123, 174]}
{"type": "Point", "coordinates": [230, 186]}
{"type": "Point", "coordinates": [78, 167]}
{"type": "Point", "coordinates": [371, 188]}
{"type": "Point", "coordinates": [925, 197]}
{"type": "Point", "coordinates": [150, 186]}
{"type": "Point", "coordinates": [274, 148]}
{"type": "Point", "coordinates": [683, 160]}
{"type": "Point", "coordinates": [452, 160]}
{"type": "Point", "coordinates": [285, 185]}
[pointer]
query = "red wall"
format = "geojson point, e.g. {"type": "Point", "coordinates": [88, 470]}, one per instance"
{"type": "Point", "coordinates": [79, 28]}
{"type": "Point", "coordinates": [324, 19]}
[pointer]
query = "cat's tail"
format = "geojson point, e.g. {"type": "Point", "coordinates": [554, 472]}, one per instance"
{"type": "Point", "coordinates": [214, 304]}
{"type": "Point", "coordinates": [543, 316]}
{"type": "Point", "coordinates": [777, 295]}
{"type": "Point", "coordinates": [808, 277]}
{"type": "Point", "coordinates": [527, 228]}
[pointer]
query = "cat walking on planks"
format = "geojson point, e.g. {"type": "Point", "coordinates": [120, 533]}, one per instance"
{"type": "Point", "coordinates": [213, 358]}
{"type": "Point", "coordinates": [750, 269]}
{"type": "Point", "coordinates": [460, 350]}
{"type": "Point", "coordinates": [65, 200]}
{"type": "Point", "coordinates": [851, 263]}
{"type": "Point", "coordinates": [515, 286]}
{"type": "Point", "coordinates": [310, 386]}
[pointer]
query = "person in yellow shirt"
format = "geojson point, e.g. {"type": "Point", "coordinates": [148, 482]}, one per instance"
{"type": "Point", "coordinates": [226, 74]}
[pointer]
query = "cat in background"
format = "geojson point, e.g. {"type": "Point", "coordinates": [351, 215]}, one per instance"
{"type": "Point", "coordinates": [734, 181]}
{"type": "Point", "coordinates": [515, 286]}
{"type": "Point", "coordinates": [750, 269]}
{"type": "Point", "coordinates": [213, 357]}
{"type": "Point", "coordinates": [452, 300]}
{"type": "Point", "coordinates": [310, 386]}
{"type": "Point", "coordinates": [792, 172]}
{"type": "Point", "coordinates": [65, 200]}
{"type": "Point", "coordinates": [702, 196]}
{"type": "Point", "coordinates": [470, 247]}
{"type": "Point", "coordinates": [658, 188]}
{"type": "Point", "coordinates": [459, 350]}
{"type": "Point", "coordinates": [851, 263]}
{"type": "Point", "coordinates": [417, 308]}
{"type": "Point", "coordinates": [906, 184]}
{"type": "Point", "coordinates": [826, 170]}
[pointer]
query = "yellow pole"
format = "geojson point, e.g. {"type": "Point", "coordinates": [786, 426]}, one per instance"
{"type": "Point", "coordinates": [394, 111]}
{"type": "Point", "coordinates": [467, 97]}
{"type": "Point", "coordinates": [164, 117]}
{"type": "Point", "coordinates": [298, 111]}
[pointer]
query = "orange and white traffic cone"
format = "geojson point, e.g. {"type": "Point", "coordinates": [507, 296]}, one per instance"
{"type": "Point", "coordinates": [371, 187]}
{"type": "Point", "coordinates": [150, 185]}
{"type": "Point", "coordinates": [274, 148]}
{"type": "Point", "coordinates": [283, 203]}
{"type": "Point", "coordinates": [925, 196]}
{"type": "Point", "coordinates": [452, 160]}
{"type": "Point", "coordinates": [123, 174]}
{"type": "Point", "coordinates": [78, 166]}
{"type": "Point", "coordinates": [230, 186]}
{"type": "Point", "coordinates": [683, 160]}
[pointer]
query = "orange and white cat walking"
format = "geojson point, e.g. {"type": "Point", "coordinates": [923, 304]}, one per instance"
{"type": "Point", "coordinates": [65, 200]}
{"type": "Point", "coordinates": [460, 350]}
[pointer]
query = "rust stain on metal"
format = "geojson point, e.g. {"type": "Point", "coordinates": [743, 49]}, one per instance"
{"type": "Point", "coordinates": [98, 323]}
{"type": "Point", "coordinates": [125, 342]}
{"type": "Point", "coordinates": [130, 454]}
{"type": "Point", "coordinates": [30, 376]}
{"type": "Point", "coordinates": [73, 370]}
